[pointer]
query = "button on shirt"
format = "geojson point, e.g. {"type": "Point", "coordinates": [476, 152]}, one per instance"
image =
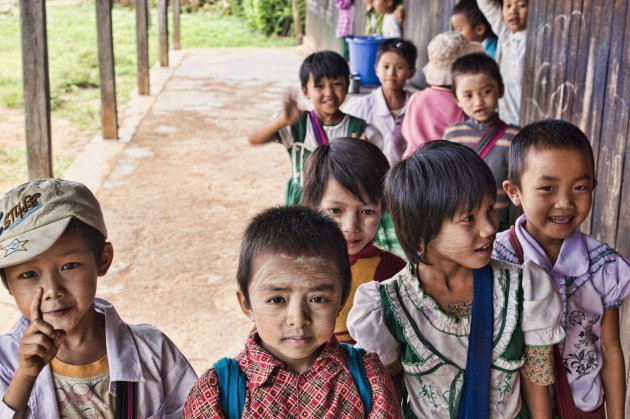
{"type": "Point", "coordinates": [590, 278]}
{"type": "Point", "coordinates": [326, 390]}
{"type": "Point", "coordinates": [137, 353]}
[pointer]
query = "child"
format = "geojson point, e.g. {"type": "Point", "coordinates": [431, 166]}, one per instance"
{"type": "Point", "coordinates": [293, 279]}
{"type": "Point", "coordinates": [552, 176]}
{"type": "Point", "coordinates": [70, 354]}
{"type": "Point", "coordinates": [345, 10]}
{"type": "Point", "coordinates": [477, 86]}
{"type": "Point", "coordinates": [468, 20]}
{"type": "Point", "coordinates": [384, 108]}
{"type": "Point", "coordinates": [465, 328]}
{"type": "Point", "coordinates": [510, 24]}
{"type": "Point", "coordinates": [431, 110]}
{"type": "Point", "coordinates": [385, 20]}
{"type": "Point", "coordinates": [345, 180]}
{"type": "Point", "coordinates": [325, 78]}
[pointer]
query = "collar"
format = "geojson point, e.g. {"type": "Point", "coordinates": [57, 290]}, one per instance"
{"type": "Point", "coordinates": [483, 125]}
{"type": "Point", "coordinates": [258, 364]}
{"type": "Point", "coordinates": [368, 251]}
{"type": "Point", "coordinates": [572, 259]}
{"type": "Point", "coordinates": [519, 36]}
{"type": "Point", "coordinates": [380, 105]}
{"type": "Point", "coordinates": [441, 89]}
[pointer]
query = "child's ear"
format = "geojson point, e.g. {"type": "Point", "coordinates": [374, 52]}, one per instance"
{"type": "Point", "coordinates": [245, 307]}
{"type": "Point", "coordinates": [513, 192]}
{"type": "Point", "coordinates": [305, 92]}
{"type": "Point", "coordinates": [106, 259]}
{"type": "Point", "coordinates": [480, 29]}
{"type": "Point", "coordinates": [412, 72]}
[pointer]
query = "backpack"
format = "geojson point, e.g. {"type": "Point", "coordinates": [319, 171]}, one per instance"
{"type": "Point", "coordinates": [232, 382]}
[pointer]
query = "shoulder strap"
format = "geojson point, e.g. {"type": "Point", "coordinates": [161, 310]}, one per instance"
{"type": "Point", "coordinates": [490, 138]}
{"type": "Point", "coordinates": [516, 245]}
{"type": "Point", "coordinates": [298, 130]}
{"type": "Point", "coordinates": [232, 387]}
{"type": "Point", "coordinates": [357, 370]}
{"type": "Point", "coordinates": [126, 400]}
{"type": "Point", "coordinates": [320, 134]}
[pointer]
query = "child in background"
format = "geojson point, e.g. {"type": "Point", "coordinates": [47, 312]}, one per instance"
{"type": "Point", "coordinates": [431, 110]}
{"type": "Point", "coordinates": [468, 20]}
{"type": "Point", "coordinates": [293, 279]}
{"type": "Point", "coordinates": [477, 86]}
{"type": "Point", "coordinates": [325, 78]}
{"type": "Point", "coordinates": [345, 12]}
{"type": "Point", "coordinates": [510, 24]}
{"type": "Point", "coordinates": [552, 175]}
{"type": "Point", "coordinates": [345, 180]}
{"type": "Point", "coordinates": [54, 249]}
{"type": "Point", "coordinates": [471, 333]}
{"type": "Point", "coordinates": [384, 108]}
{"type": "Point", "coordinates": [385, 21]}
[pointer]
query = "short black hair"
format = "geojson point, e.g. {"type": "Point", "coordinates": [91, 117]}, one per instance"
{"type": "Point", "coordinates": [293, 231]}
{"type": "Point", "coordinates": [475, 64]}
{"type": "Point", "coordinates": [93, 239]}
{"type": "Point", "coordinates": [433, 185]}
{"type": "Point", "coordinates": [404, 48]}
{"type": "Point", "coordinates": [544, 135]}
{"type": "Point", "coordinates": [324, 64]}
{"type": "Point", "coordinates": [356, 165]}
{"type": "Point", "coordinates": [474, 15]}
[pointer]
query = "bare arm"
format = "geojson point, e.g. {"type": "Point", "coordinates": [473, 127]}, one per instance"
{"type": "Point", "coordinates": [536, 397]}
{"type": "Point", "coordinates": [290, 115]}
{"type": "Point", "coordinates": [613, 369]}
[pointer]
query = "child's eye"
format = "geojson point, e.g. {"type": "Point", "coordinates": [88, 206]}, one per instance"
{"type": "Point", "coordinates": [27, 275]}
{"type": "Point", "coordinates": [319, 299]}
{"type": "Point", "coordinates": [468, 219]}
{"type": "Point", "coordinates": [334, 210]}
{"type": "Point", "coordinates": [582, 188]}
{"type": "Point", "coordinates": [275, 300]}
{"type": "Point", "coordinates": [69, 266]}
{"type": "Point", "coordinates": [547, 188]}
{"type": "Point", "coordinates": [367, 211]}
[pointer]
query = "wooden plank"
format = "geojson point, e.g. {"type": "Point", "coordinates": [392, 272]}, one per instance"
{"type": "Point", "coordinates": [142, 46]}
{"type": "Point", "coordinates": [623, 229]}
{"type": "Point", "coordinates": [614, 129]}
{"type": "Point", "coordinates": [163, 31]}
{"type": "Point", "coordinates": [109, 118]}
{"type": "Point", "coordinates": [528, 104]}
{"type": "Point", "coordinates": [176, 15]}
{"type": "Point", "coordinates": [36, 88]}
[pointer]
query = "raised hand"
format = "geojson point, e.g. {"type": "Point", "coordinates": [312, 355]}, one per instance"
{"type": "Point", "coordinates": [290, 111]}
{"type": "Point", "coordinates": [40, 341]}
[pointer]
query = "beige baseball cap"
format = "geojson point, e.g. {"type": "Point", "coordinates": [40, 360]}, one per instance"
{"type": "Point", "coordinates": [34, 215]}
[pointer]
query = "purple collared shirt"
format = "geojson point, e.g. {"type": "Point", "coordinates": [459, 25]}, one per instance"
{"type": "Point", "coordinates": [590, 278]}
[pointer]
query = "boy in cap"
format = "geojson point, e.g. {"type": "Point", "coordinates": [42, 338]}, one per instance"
{"type": "Point", "coordinates": [70, 354]}
{"type": "Point", "coordinates": [431, 110]}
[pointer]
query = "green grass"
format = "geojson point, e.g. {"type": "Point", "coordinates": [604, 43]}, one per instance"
{"type": "Point", "coordinates": [73, 57]}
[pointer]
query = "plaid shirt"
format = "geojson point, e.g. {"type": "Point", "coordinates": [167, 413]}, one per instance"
{"type": "Point", "coordinates": [344, 18]}
{"type": "Point", "coordinates": [326, 390]}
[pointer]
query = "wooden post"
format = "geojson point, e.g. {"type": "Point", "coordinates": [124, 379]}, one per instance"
{"type": "Point", "coordinates": [109, 117]}
{"type": "Point", "coordinates": [163, 31]}
{"type": "Point", "coordinates": [36, 88]}
{"type": "Point", "coordinates": [142, 46]}
{"type": "Point", "coordinates": [297, 22]}
{"type": "Point", "coordinates": [176, 33]}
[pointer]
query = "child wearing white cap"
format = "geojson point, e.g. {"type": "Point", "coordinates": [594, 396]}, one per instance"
{"type": "Point", "coordinates": [70, 354]}
{"type": "Point", "coordinates": [431, 110]}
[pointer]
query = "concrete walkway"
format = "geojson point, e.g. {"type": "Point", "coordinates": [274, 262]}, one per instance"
{"type": "Point", "coordinates": [178, 189]}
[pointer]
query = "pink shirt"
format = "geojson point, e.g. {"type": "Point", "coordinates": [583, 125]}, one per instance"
{"type": "Point", "coordinates": [429, 112]}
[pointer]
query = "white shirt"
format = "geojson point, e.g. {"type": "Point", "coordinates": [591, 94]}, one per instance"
{"type": "Point", "coordinates": [381, 123]}
{"type": "Point", "coordinates": [138, 353]}
{"type": "Point", "coordinates": [511, 59]}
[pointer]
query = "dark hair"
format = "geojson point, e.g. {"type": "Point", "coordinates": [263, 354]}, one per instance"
{"type": "Point", "coordinates": [405, 49]}
{"type": "Point", "coordinates": [433, 185]}
{"type": "Point", "coordinates": [545, 135]}
{"type": "Point", "coordinates": [356, 165]}
{"type": "Point", "coordinates": [475, 64]}
{"type": "Point", "coordinates": [293, 231]}
{"type": "Point", "coordinates": [93, 239]}
{"type": "Point", "coordinates": [324, 64]}
{"type": "Point", "coordinates": [474, 15]}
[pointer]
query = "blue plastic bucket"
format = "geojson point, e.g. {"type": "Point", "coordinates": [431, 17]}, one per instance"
{"type": "Point", "coordinates": [363, 51]}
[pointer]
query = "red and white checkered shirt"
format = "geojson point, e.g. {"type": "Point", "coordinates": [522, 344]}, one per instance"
{"type": "Point", "coordinates": [326, 390]}
{"type": "Point", "coordinates": [344, 17]}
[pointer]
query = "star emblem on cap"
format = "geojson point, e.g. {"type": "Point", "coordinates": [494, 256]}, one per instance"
{"type": "Point", "coordinates": [16, 245]}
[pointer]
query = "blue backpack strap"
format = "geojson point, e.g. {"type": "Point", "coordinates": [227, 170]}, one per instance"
{"type": "Point", "coordinates": [232, 387]}
{"type": "Point", "coordinates": [357, 370]}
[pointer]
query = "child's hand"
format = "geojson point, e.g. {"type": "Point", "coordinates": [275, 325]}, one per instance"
{"type": "Point", "coordinates": [399, 13]}
{"type": "Point", "coordinates": [40, 342]}
{"type": "Point", "coordinates": [290, 111]}
{"type": "Point", "coordinates": [362, 137]}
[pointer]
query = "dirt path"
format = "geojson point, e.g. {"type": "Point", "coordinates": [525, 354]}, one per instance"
{"type": "Point", "coordinates": [181, 191]}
